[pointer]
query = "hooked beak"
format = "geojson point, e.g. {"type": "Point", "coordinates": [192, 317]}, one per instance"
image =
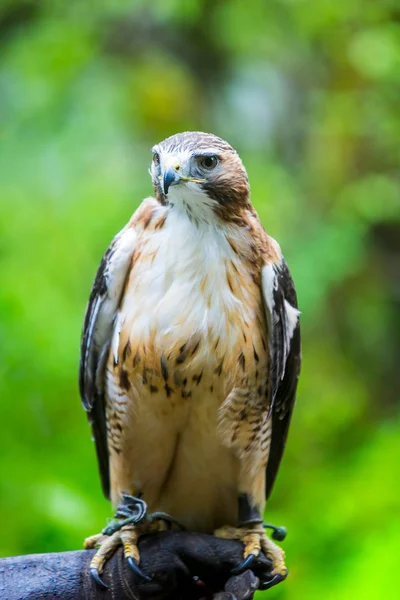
{"type": "Point", "coordinates": [170, 177]}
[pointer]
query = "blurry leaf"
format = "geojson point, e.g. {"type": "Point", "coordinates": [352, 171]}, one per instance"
{"type": "Point", "coordinates": [375, 52]}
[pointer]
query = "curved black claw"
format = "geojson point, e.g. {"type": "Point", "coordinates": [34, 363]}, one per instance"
{"type": "Point", "coordinates": [244, 565]}
{"type": "Point", "coordinates": [95, 575]}
{"type": "Point", "coordinates": [269, 583]}
{"type": "Point", "coordinates": [137, 570]}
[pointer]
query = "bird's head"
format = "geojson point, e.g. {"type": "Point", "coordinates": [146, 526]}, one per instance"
{"type": "Point", "coordinates": [201, 173]}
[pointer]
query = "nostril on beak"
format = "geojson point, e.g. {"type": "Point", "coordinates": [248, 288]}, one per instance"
{"type": "Point", "coordinates": [170, 177]}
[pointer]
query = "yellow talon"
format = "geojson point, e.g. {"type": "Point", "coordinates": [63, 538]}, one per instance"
{"type": "Point", "coordinates": [255, 540]}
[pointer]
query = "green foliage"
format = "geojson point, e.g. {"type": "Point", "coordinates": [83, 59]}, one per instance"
{"type": "Point", "coordinates": [308, 93]}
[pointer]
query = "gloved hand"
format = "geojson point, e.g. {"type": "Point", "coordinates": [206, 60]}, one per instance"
{"type": "Point", "coordinates": [190, 565]}
{"type": "Point", "coordinates": [183, 566]}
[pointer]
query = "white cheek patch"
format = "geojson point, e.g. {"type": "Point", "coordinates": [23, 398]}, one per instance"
{"type": "Point", "coordinates": [191, 199]}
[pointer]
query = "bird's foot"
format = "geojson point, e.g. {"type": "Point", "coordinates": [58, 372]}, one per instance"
{"type": "Point", "coordinates": [255, 540]}
{"type": "Point", "coordinates": [107, 545]}
{"type": "Point", "coordinates": [132, 521]}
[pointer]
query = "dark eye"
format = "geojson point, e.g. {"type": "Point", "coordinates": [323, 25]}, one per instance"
{"type": "Point", "coordinates": [156, 159]}
{"type": "Point", "coordinates": [208, 162]}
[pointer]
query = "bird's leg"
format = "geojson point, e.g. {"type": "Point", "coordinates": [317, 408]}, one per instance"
{"type": "Point", "coordinates": [250, 531]}
{"type": "Point", "coordinates": [125, 530]}
{"type": "Point", "coordinates": [131, 521]}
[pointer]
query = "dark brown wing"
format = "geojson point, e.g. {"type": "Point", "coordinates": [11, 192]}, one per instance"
{"type": "Point", "coordinates": [285, 357]}
{"type": "Point", "coordinates": [96, 338]}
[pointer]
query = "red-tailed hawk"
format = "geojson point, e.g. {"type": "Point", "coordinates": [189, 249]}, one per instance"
{"type": "Point", "coordinates": [190, 356]}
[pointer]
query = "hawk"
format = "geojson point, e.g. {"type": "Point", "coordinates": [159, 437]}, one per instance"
{"type": "Point", "coordinates": [190, 357]}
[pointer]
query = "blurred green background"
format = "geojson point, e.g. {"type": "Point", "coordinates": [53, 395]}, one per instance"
{"type": "Point", "coordinates": [308, 92]}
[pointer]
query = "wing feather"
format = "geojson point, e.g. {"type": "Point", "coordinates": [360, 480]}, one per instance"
{"type": "Point", "coordinates": [285, 356]}
{"type": "Point", "coordinates": [96, 338]}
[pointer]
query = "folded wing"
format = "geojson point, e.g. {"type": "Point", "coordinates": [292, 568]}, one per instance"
{"type": "Point", "coordinates": [285, 356]}
{"type": "Point", "coordinates": [101, 311]}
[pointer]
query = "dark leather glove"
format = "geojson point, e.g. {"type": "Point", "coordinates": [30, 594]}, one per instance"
{"type": "Point", "coordinates": [191, 565]}
{"type": "Point", "coordinates": [183, 566]}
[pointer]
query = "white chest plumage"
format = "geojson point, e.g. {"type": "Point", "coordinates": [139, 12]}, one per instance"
{"type": "Point", "coordinates": [178, 286]}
